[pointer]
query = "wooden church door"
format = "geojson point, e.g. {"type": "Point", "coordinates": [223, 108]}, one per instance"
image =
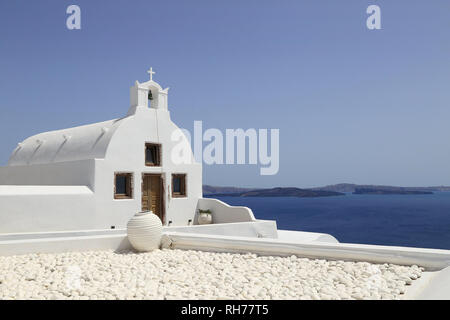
{"type": "Point", "coordinates": [152, 194]}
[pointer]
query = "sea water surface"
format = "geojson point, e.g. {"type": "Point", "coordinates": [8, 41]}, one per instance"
{"type": "Point", "coordinates": [398, 220]}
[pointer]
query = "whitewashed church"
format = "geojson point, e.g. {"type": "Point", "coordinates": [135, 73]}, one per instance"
{"type": "Point", "coordinates": [96, 177]}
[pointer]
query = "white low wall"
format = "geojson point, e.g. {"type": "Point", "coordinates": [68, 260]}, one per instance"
{"type": "Point", "coordinates": [105, 241]}
{"type": "Point", "coordinates": [61, 234]}
{"type": "Point", "coordinates": [432, 259]}
{"type": "Point", "coordinates": [301, 236]}
{"type": "Point", "coordinates": [108, 239]}
{"type": "Point", "coordinates": [437, 287]}
{"type": "Point", "coordinates": [223, 213]}
{"type": "Point", "coordinates": [254, 229]}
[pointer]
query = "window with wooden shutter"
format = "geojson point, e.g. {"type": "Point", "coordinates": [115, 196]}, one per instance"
{"type": "Point", "coordinates": [123, 185]}
{"type": "Point", "coordinates": [179, 185]}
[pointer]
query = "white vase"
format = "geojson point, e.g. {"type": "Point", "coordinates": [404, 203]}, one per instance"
{"type": "Point", "coordinates": [144, 231]}
{"type": "Point", "coordinates": [204, 218]}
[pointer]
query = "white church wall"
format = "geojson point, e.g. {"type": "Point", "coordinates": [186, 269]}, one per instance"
{"type": "Point", "coordinates": [25, 209]}
{"type": "Point", "coordinates": [126, 153]}
{"type": "Point", "coordinates": [181, 210]}
{"type": "Point", "coordinates": [76, 173]}
{"type": "Point", "coordinates": [113, 212]}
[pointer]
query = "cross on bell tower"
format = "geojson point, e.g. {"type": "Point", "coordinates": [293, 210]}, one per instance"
{"type": "Point", "coordinates": [151, 73]}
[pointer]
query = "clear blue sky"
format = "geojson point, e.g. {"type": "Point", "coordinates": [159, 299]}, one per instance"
{"type": "Point", "coordinates": [352, 105]}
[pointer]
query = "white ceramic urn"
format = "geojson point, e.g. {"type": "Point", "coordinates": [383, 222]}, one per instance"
{"type": "Point", "coordinates": [204, 218]}
{"type": "Point", "coordinates": [144, 231]}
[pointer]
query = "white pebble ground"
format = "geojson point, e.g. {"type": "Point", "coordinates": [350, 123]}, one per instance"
{"type": "Point", "coordinates": [178, 274]}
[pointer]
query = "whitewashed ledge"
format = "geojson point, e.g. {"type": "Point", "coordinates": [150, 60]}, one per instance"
{"type": "Point", "coordinates": [431, 259]}
{"type": "Point", "coordinates": [63, 241]}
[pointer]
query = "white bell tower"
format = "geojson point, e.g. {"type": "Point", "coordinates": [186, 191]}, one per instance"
{"type": "Point", "coordinates": [148, 95]}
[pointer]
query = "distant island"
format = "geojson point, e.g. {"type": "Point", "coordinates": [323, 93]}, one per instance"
{"type": "Point", "coordinates": [207, 189]}
{"type": "Point", "coordinates": [327, 191]}
{"type": "Point", "coordinates": [350, 188]}
{"type": "Point", "coordinates": [279, 192]}
{"type": "Point", "coordinates": [388, 191]}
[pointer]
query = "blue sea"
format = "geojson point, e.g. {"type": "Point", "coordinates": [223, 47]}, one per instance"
{"type": "Point", "coordinates": [399, 220]}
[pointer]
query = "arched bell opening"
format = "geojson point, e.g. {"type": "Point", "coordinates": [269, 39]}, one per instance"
{"type": "Point", "coordinates": [152, 97]}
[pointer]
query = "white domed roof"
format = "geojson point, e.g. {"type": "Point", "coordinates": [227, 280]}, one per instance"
{"type": "Point", "coordinates": [79, 143]}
